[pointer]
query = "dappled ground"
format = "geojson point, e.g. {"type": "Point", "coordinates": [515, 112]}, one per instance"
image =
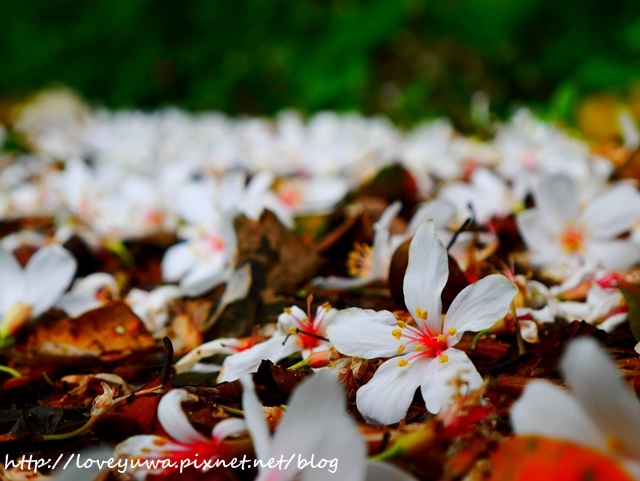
{"type": "Point", "coordinates": [410, 302]}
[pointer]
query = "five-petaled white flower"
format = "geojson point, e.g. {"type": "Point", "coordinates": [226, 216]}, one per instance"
{"type": "Point", "coordinates": [603, 413]}
{"type": "Point", "coordinates": [563, 234]}
{"type": "Point", "coordinates": [297, 331]}
{"type": "Point", "coordinates": [422, 351]}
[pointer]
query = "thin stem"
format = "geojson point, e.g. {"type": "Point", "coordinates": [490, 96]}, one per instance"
{"type": "Point", "coordinates": [11, 371]}
{"type": "Point", "coordinates": [522, 349]}
{"type": "Point", "coordinates": [78, 432]}
{"type": "Point", "coordinates": [302, 364]}
{"type": "Point", "coordinates": [237, 412]}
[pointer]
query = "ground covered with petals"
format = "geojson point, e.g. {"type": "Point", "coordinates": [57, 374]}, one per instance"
{"type": "Point", "coordinates": [362, 301]}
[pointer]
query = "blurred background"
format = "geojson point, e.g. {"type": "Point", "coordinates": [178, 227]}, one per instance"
{"type": "Point", "coordinates": [408, 59]}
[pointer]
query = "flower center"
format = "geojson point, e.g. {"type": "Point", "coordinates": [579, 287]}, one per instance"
{"type": "Point", "coordinates": [360, 260]}
{"type": "Point", "coordinates": [154, 218]}
{"type": "Point", "coordinates": [309, 331]}
{"type": "Point", "coordinates": [572, 239]}
{"type": "Point", "coordinates": [421, 341]}
{"type": "Point", "coordinates": [214, 243]}
{"type": "Point", "coordinates": [291, 196]}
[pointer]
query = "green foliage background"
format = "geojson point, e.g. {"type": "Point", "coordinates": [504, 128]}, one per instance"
{"type": "Point", "coordinates": [408, 59]}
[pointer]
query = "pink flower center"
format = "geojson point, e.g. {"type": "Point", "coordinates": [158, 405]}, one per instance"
{"type": "Point", "coordinates": [421, 341]}
{"type": "Point", "coordinates": [291, 196]}
{"type": "Point", "coordinates": [154, 218]}
{"type": "Point", "coordinates": [572, 239]}
{"type": "Point", "coordinates": [214, 243]}
{"type": "Point", "coordinates": [529, 160]}
{"type": "Point", "coordinates": [310, 331]}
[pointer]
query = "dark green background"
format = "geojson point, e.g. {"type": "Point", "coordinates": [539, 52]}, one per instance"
{"type": "Point", "coordinates": [406, 59]}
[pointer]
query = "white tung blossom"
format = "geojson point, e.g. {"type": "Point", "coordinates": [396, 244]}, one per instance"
{"type": "Point", "coordinates": [422, 353]}
{"type": "Point", "coordinates": [562, 234]}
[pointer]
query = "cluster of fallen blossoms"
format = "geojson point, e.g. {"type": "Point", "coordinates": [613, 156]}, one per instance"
{"type": "Point", "coordinates": [322, 298]}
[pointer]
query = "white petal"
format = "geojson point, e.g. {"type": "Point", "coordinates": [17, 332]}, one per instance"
{"type": "Point", "coordinates": [228, 427]}
{"type": "Point", "coordinates": [254, 417]}
{"type": "Point", "coordinates": [330, 433]}
{"type": "Point", "coordinates": [442, 211]}
{"type": "Point", "coordinates": [173, 419]}
{"type": "Point", "coordinates": [335, 282]}
{"type": "Point", "coordinates": [11, 281]}
{"type": "Point", "coordinates": [480, 305]}
{"type": "Point", "coordinates": [536, 233]}
{"type": "Point", "coordinates": [76, 304]}
{"type": "Point", "coordinates": [613, 212]}
{"type": "Point", "coordinates": [439, 382]}
{"type": "Point", "coordinates": [248, 361]}
{"type": "Point", "coordinates": [557, 200]}
{"type": "Point", "coordinates": [548, 410]}
{"type": "Point", "coordinates": [386, 398]}
{"type": "Point", "coordinates": [379, 471]}
{"type": "Point", "coordinates": [147, 447]}
{"type": "Point", "coordinates": [177, 261]}
{"type": "Point", "coordinates": [208, 349]}
{"type": "Point", "coordinates": [290, 319]}
{"type": "Point", "coordinates": [47, 276]}
{"type": "Point", "coordinates": [426, 276]}
{"type": "Point", "coordinates": [614, 254]}
{"type": "Point", "coordinates": [596, 382]}
{"type": "Point", "coordinates": [529, 331]}
{"type": "Point", "coordinates": [364, 333]}
{"type": "Point", "coordinates": [194, 286]}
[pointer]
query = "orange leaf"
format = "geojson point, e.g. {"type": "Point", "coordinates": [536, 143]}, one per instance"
{"type": "Point", "coordinates": [110, 332]}
{"type": "Point", "coordinates": [532, 458]}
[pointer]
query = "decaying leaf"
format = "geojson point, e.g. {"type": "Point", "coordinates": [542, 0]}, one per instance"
{"type": "Point", "coordinates": [108, 333]}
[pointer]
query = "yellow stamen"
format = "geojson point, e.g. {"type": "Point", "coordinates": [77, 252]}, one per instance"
{"type": "Point", "coordinates": [287, 310]}
{"type": "Point", "coordinates": [360, 260]}
{"type": "Point", "coordinates": [397, 333]}
{"type": "Point", "coordinates": [615, 445]}
{"type": "Point", "coordinates": [441, 338]}
{"type": "Point", "coordinates": [293, 331]}
{"type": "Point", "coordinates": [444, 359]}
{"type": "Point", "coordinates": [401, 348]}
{"type": "Point", "coordinates": [421, 314]}
{"type": "Point", "coordinates": [418, 348]}
{"type": "Point", "coordinates": [326, 306]}
{"type": "Point", "coordinates": [402, 363]}
{"type": "Point", "coordinates": [401, 324]}
{"type": "Point", "coordinates": [452, 331]}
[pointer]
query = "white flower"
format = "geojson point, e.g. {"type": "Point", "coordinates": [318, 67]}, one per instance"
{"type": "Point", "coordinates": [251, 199]}
{"type": "Point", "coordinates": [153, 307]}
{"type": "Point", "coordinates": [603, 413]}
{"type": "Point", "coordinates": [27, 293]}
{"type": "Point", "coordinates": [202, 260]}
{"type": "Point", "coordinates": [562, 234]}
{"type": "Point", "coordinates": [312, 195]}
{"type": "Point", "coordinates": [422, 355]}
{"type": "Point", "coordinates": [186, 444]}
{"type": "Point", "coordinates": [89, 293]}
{"type": "Point", "coordinates": [297, 331]}
{"type": "Point", "coordinates": [487, 193]}
{"type": "Point", "coordinates": [315, 426]}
